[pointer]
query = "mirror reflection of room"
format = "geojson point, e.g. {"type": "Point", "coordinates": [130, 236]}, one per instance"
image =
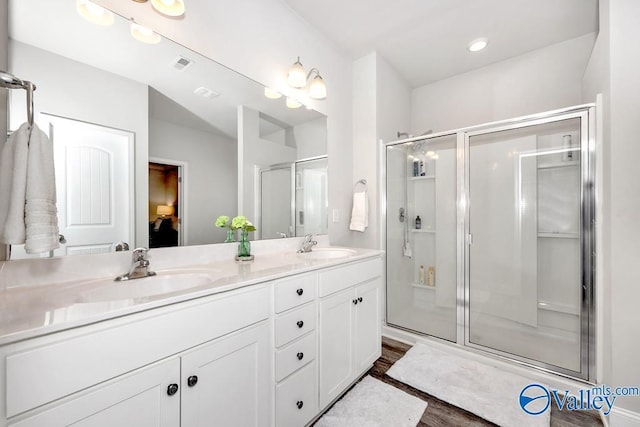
{"type": "Point", "coordinates": [164, 220]}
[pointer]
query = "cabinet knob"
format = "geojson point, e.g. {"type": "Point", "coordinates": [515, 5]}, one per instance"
{"type": "Point", "coordinates": [192, 380]}
{"type": "Point", "coordinates": [300, 323]}
{"type": "Point", "coordinates": [359, 299]}
{"type": "Point", "coordinates": [300, 355]}
{"type": "Point", "coordinates": [299, 404]}
{"type": "Point", "coordinates": [300, 291]}
{"type": "Point", "coordinates": [355, 301]}
{"type": "Point", "coordinates": [172, 389]}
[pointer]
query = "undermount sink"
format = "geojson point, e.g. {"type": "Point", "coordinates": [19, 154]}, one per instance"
{"type": "Point", "coordinates": [328, 253]}
{"type": "Point", "coordinates": [164, 282]}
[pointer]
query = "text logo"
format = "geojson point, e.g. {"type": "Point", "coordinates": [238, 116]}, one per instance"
{"type": "Point", "coordinates": [535, 399]}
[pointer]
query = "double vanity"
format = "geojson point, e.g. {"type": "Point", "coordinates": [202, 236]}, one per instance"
{"type": "Point", "coordinates": [270, 342]}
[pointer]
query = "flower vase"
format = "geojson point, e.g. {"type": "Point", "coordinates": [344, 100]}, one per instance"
{"type": "Point", "coordinates": [231, 236]}
{"type": "Point", "coordinates": [244, 248]}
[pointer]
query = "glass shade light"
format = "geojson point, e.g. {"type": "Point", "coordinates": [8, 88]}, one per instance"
{"type": "Point", "coordinates": [297, 76]}
{"type": "Point", "coordinates": [164, 210]}
{"type": "Point", "coordinates": [293, 103]}
{"type": "Point", "coordinates": [272, 93]}
{"type": "Point", "coordinates": [169, 7]}
{"type": "Point", "coordinates": [478, 44]}
{"type": "Point", "coordinates": [93, 13]}
{"type": "Point", "coordinates": [317, 88]}
{"type": "Point", "coordinates": [144, 34]}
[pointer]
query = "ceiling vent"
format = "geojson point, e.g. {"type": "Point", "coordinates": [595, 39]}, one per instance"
{"type": "Point", "coordinates": [206, 92]}
{"type": "Point", "coordinates": [181, 63]}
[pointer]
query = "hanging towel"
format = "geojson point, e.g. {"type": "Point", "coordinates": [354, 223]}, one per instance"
{"type": "Point", "coordinates": [13, 186]}
{"type": "Point", "coordinates": [360, 212]}
{"type": "Point", "coordinates": [41, 219]}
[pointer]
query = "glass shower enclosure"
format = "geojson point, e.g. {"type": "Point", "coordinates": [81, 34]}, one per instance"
{"type": "Point", "coordinates": [489, 239]}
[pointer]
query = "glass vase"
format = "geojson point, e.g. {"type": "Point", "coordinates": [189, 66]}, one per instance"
{"type": "Point", "coordinates": [244, 247]}
{"type": "Point", "coordinates": [231, 236]}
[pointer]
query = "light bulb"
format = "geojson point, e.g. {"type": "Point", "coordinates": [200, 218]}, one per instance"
{"type": "Point", "coordinates": [94, 13]}
{"type": "Point", "coordinates": [144, 34]}
{"type": "Point", "coordinates": [169, 7]}
{"type": "Point", "coordinates": [297, 77]}
{"type": "Point", "coordinates": [317, 88]}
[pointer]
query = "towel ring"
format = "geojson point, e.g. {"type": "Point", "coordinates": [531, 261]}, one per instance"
{"type": "Point", "coordinates": [362, 182]}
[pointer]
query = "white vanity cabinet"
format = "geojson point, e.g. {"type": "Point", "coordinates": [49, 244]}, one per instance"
{"type": "Point", "coordinates": [349, 325]}
{"type": "Point", "coordinates": [203, 361]}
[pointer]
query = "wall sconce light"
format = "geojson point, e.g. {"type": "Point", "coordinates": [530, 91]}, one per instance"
{"type": "Point", "coordinates": [293, 103]}
{"type": "Point", "coordinates": [272, 93]}
{"type": "Point", "coordinates": [298, 77]}
{"type": "Point", "coordinates": [144, 34]}
{"type": "Point", "coordinates": [167, 7]}
{"type": "Point", "coordinates": [93, 13]}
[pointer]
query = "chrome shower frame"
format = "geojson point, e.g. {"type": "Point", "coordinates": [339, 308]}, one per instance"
{"type": "Point", "coordinates": [586, 113]}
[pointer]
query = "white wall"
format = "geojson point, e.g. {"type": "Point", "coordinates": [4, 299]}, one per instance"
{"type": "Point", "coordinates": [381, 108]}
{"type": "Point", "coordinates": [542, 80]}
{"type": "Point", "coordinates": [4, 54]}
{"type": "Point", "coordinates": [210, 188]}
{"type": "Point", "coordinates": [311, 138]}
{"type": "Point", "coordinates": [261, 39]}
{"type": "Point", "coordinates": [95, 96]}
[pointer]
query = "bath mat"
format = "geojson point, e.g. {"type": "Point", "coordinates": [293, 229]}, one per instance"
{"type": "Point", "coordinates": [372, 403]}
{"type": "Point", "coordinates": [479, 388]}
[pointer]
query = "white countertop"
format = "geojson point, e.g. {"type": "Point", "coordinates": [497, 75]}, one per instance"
{"type": "Point", "coordinates": [36, 310]}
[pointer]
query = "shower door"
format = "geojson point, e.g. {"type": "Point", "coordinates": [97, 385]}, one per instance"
{"type": "Point", "coordinates": [421, 236]}
{"type": "Point", "coordinates": [526, 294]}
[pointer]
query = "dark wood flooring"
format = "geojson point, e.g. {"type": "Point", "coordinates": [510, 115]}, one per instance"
{"type": "Point", "coordinates": [440, 413]}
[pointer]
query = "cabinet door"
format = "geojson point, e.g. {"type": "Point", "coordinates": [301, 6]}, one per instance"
{"type": "Point", "coordinates": [233, 386]}
{"type": "Point", "coordinates": [336, 344]}
{"type": "Point", "coordinates": [139, 399]}
{"type": "Point", "coordinates": [367, 336]}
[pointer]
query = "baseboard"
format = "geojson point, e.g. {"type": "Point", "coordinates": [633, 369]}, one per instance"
{"type": "Point", "coordinates": [620, 417]}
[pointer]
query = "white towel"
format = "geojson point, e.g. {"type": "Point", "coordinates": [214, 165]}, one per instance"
{"type": "Point", "coordinates": [41, 219]}
{"type": "Point", "coordinates": [28, 211]}
{"type": "Point", "coordinates": [360, 212]}
{"type": "Point", "coordinates": [13, 186]}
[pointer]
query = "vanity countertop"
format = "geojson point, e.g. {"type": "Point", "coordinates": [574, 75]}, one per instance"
{"type": "Point", "coordinates": [32, 311]}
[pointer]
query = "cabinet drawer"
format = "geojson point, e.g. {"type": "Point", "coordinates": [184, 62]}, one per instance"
{"type": "Point", "coordinates": [295, 355]}
{"type": "Point", "coordinates": [295, 291]}
{"type": "Point", "coordinates": [295, 324]}
{"type": "Point", "coordinates": [41, 370]}
{"type": "Point", "coordinates": [341, 278]}
{"type": "Point", "coordinates": [296, 398]}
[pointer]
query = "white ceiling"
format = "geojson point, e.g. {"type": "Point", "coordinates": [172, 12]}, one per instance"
{"type": "Point", "coordinates": [426, 40]}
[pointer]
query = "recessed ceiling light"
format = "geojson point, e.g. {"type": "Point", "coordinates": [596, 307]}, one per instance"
{"type": "Point", "coordinates": [478, 44]}
{"type": "Point", "coordinates": [205, 92]}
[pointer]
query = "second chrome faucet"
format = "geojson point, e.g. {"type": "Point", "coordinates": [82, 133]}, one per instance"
{"type": "Point", "coordinates": [139, 266]}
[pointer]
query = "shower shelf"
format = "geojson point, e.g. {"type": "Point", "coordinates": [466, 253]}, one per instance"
{"type": "Point", "coordinates": [558, 235]}
{"type": "Point", "coordinates": [551, 165]}
{"type": "Point", "coordinates": [421, 286]}
{"type": "Point", "coordinates": [414, 230]}
{"type": "Point", "coordinates": [420, 178]}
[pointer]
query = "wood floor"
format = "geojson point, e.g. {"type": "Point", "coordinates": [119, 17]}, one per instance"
{"type": "Point", "coordinates": [440, 413]}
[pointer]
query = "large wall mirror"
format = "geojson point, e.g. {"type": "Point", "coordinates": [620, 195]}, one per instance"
{"type": "Point", "coordinates": [153, 142]}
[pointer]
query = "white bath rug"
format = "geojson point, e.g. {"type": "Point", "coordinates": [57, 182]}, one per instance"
{"type": "Point", "coordinates": [481, 389]}
{"type": "Point", "coordinates": [372, 403]}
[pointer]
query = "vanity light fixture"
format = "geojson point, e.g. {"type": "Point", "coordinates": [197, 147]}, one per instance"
{"type": "Point", "coordinates": [478, 44]}
{"type": "Point", "coordinates": [272, 93]}
{"type": "Point", "coordinates": [167, 7]}
{"type": "Point", "coordinates": [93, 13]}
{"type": "Point", "coordinates": [144, 34]}
{"type": "Point", "coordinates": [298, 77]}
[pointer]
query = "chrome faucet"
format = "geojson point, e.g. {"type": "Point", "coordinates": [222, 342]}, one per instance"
{"type": "Point", "coordinates": [139, 266]}
{"type": "Point", "coordinates": [307, 244]}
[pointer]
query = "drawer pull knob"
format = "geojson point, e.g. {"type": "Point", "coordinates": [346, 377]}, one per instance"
{"type": "Point", "coordinates": [359, 299]}
{"type": "Point", "coordinates": [300, 323]}
{"type": "Point", "coordinates": [300, 355]}
{"type": "Point", "coordinates": [355, 301]}
{"type": "Point", "coordinates": [192, 380]}
{"type": "Point", "coordinates": [172, 389]}
{"type": "Point", "coordinates": [300, 291]}
{"type": "Point", "coordinates": [299, 404]}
